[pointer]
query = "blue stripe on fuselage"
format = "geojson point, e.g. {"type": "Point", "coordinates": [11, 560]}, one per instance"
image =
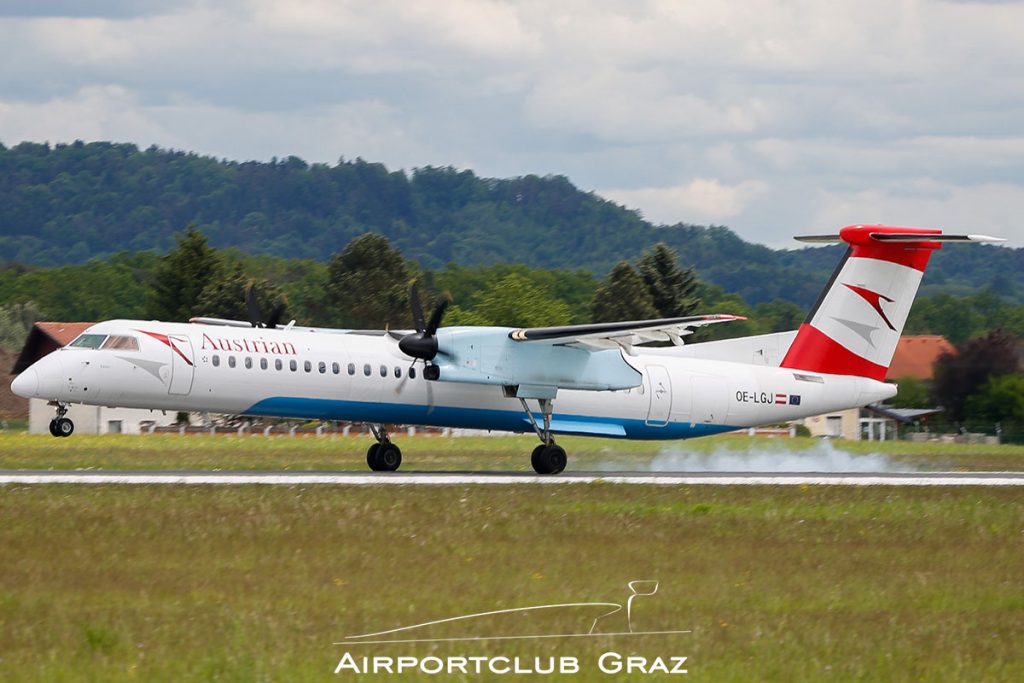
{"type": "Point", "coordinates": [473, 418]}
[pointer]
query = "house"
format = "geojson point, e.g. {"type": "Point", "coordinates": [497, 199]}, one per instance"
{"type": "Point", "coordinates": [915, 356]}
{"type": "Point", "coordinates": [45, 338]}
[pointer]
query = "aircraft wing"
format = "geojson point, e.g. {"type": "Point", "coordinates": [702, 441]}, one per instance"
{"type": "Point", "coordinates": [620, 334]}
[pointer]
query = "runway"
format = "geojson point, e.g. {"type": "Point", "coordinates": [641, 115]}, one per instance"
{"type": "Point", "coordinates": [278, 478]}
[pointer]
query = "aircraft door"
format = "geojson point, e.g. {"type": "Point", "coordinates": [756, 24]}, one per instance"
{"type": "Point", "coordinates": [661, 396]}
{"type": "Point", "coordinates": [182, 368]}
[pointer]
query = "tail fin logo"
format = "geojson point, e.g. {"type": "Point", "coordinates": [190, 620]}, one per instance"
{"type": "Point", "coordinates": [874, 299]}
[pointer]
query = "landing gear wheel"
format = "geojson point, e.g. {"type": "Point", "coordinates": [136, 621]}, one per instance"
{"type": "Point", "coordinates": [53, 427]}
{"type": "Point", "coordinates": [549, 459]}
{"type": "Point", "coordinates": [384, 457]}
{"type": "Point", "coordinates": [63, 426]}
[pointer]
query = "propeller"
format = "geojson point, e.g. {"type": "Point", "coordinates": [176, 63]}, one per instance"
{"type": "Point", "coordinates": [422, 344]}
{"type": "Point", "coordinates": [256, 315]}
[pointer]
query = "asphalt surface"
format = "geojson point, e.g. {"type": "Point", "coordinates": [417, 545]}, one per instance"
{"type": "Point", "coordinates": [412, 478]}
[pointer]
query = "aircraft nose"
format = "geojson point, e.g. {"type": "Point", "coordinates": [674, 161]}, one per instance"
{"type": "Point", "coordinates": [26, 384]}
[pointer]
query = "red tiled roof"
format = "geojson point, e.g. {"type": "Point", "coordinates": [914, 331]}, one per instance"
{"type": "Point", "coordinates": [63, 333]}
{"type": "Point", "coordinates": [916, 355]}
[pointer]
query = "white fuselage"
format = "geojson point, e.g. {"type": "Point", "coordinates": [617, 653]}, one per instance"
{"type": "Point", "coordinates": [365, 378]}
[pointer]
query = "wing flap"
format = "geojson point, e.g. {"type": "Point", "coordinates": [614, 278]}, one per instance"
{"type": "Point", "coordinates": [626, 333]}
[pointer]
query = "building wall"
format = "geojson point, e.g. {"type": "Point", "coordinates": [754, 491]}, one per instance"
{"type": "Point", "coordinates": [843, 424]}
{"type": "Point", "coordinates": [95, 419]}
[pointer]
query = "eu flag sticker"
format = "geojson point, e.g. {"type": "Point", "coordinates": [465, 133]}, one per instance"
{"type": "Point", "coordinates": [794, 399]}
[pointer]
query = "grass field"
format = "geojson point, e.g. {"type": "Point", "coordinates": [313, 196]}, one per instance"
{"type": "Point", "coordinates": [21, 451]}
{"type": "Point", "coordinates": [256, 583]}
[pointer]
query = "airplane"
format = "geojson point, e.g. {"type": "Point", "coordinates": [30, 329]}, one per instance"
{"type": "Point", "coordinates": [592, 380]}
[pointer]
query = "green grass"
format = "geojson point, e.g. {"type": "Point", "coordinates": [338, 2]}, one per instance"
{"type": "Point", "coordinates": [187, 583]}
{"type": "Point", "coordinates": [166, 451]}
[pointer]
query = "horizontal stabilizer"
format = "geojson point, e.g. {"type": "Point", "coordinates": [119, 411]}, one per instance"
{"type": "Point", "coordinates": [901, 237]}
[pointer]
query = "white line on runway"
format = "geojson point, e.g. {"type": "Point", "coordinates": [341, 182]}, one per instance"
{"type": "Point", "coordinates": [440, 479]}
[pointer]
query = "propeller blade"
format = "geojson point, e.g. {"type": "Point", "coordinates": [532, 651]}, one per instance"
{"type": "Point", "coordinates": [435, 318]}
{"type": "Point", "coordinates": [255, 315]}
{"type": "Point", "coordinates": [417, 308]}
{"type": "Point", "coordinates": [275, 315]}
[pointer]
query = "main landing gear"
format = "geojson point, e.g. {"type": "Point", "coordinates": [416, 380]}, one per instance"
{"type": "Point", "coordinates": [383, 456]}
{"type": "Point", "coordinates": [60, 425]}
{"type": "Point", "coordinates": [548, 457]}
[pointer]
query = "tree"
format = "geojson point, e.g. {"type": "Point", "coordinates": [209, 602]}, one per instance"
{"type": "Point", "coordinates": [673, 290]}
{"type": "Point", "coordinates": [913, 393]}
{"type": "Point", "coordinates": [513, 301]}
{"type": "Point", "coordinates": [959, 375]}
{"type": "Point", "coordinates": [16, 320]}
{"type": "Point", "coordinates": [623, 296]}
{"type": "Point", "coordinates": [368, 285]}
{"type": "Point", "coordinates": [225, 298]}
{"type": "Point", "coordinates": [1000, 399]}
{"type": "Point", "coordinates": [181, 276]}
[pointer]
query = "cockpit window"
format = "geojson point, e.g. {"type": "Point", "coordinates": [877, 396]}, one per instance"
{"type": "Point", "coordinates": [121, 343]}
{"type": "Point", "coordinates": [88, 341]}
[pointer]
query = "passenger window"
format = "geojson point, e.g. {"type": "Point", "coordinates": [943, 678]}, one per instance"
{"type": "Point", "coordinates": [412, 373]}
{"type": "Point", "coordinates": [231, 361]}
{"type": "Point", "coordinates": [121, 343]}
{"type": "Point", "coordinates": [322, 367]}
{"type": "Point", "coordinates": [248, 363]}
{"type": "Point", "coordinates": [293, 365]}
{"type": "Point", "coordinates": [216, 361]}
{"type": "Point", "coordinates": [398, 372]}
{"type": "Point", "coordinates": [383, 371]}
{"type": "Point", "coordinates": [367, 370]}
{"type": "Point", "coordinates": [335, 368]}
{"type": "Point", "coordinates": [88, 341]}
{"type": "Point", "coordinates": [263, 363]}
{"type": "Point", "coordinates": [307, 366]}
{"type": "Point", "coordinates": [351, 368]}
{"type": "Point", "coordinates": [278, 364]}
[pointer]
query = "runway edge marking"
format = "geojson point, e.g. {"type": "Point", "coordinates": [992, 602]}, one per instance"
{"type": "Point", "coordinates": [269, 479]}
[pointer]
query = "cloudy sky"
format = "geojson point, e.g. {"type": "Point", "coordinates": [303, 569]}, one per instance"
{"type": "Point", "coordinates": [771, 117]}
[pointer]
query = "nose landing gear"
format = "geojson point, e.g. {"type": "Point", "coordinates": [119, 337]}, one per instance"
{"type": "Point", "coordinates": [60, 425]}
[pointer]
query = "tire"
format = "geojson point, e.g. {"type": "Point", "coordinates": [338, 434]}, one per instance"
{"type": "Point", "coordinates": [389, 457]}
{"type": "Point", "coordinates": [549, 459]}
{"type": "Point", "coordinates": [53, 427]}
{"type": "Point", "coordinates": [372, 457]}
{"type": "Point", "coordinates": [65, 427]}
{"type": "Point", "coordinates": [535, 459]}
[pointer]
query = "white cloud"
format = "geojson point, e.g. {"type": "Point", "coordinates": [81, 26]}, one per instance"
{"type": "Point", "coordinates": [839, 106]}
{"type": "Point", "coordinates": [702, 199]}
